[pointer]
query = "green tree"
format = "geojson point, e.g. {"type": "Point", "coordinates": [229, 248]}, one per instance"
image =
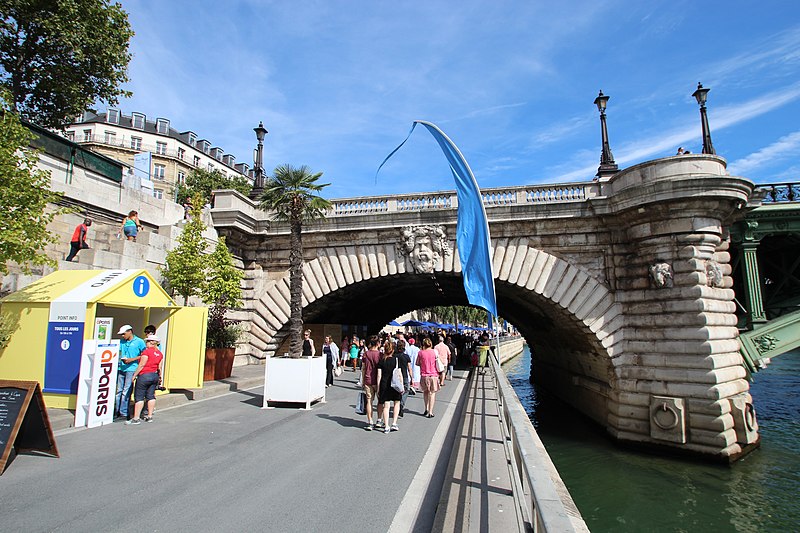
{"type": "Point", "coordinates": [24, 196]}
{"type": "Point", "coordinates": [60, 57]}
{"type": "Point", "coordinates": [292, 194]}
{"type": "Point", "coordinates": [204, 181]}
{"type": "Point", "coordinates": [222, 290]}
{"type": "Point", "coordinates": [184, 267]}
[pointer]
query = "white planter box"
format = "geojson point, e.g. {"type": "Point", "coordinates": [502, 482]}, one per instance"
{"type": "Point", "coordinates": [294, 380]}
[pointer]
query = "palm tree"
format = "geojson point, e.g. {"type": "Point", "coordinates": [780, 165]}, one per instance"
{"type": "Point", "coordinates": [291, 194]}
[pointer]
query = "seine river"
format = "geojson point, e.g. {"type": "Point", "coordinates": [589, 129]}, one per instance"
{"type": "Point", "coordinates": [621, 490]}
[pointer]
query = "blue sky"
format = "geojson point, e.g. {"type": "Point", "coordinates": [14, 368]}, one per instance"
{"type": "Point", "coordinates": [338, 84]}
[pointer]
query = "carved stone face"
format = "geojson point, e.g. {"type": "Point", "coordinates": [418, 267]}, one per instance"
{"type": "Point", "coordinates": [424, 256]}
{"type": "Point", "coordinates": [425, 245]}
{"type": "Point", "coordinates": [661, 273]}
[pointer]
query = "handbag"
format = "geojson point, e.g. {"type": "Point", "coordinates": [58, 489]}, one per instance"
{"type": "Point", "coordinates": [439, 365]}
{"type": "Point", "coordinates": [397, 378]}
{"type": "Point", "coordinates": [337, 371]}
{"type": "Point", "coordinates": [361, 403]}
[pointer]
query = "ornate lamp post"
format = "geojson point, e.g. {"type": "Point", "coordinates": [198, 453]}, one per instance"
{"type": "Point", "coordinates": [607, 166]}
{"type": "Point", "coordinates": [701, 95]}
{"type": "Point", "coordinates": [258, 162]}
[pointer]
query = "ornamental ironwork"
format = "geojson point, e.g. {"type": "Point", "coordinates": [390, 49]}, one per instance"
{"type": "Point", "coordinates": [765, 343]}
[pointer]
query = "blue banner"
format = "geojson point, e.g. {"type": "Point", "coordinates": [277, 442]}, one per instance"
{"type": "Point", "coordinates": [472, 230]}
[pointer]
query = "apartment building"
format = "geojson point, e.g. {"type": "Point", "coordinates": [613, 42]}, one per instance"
{"type": "Point", "coordinates": [173, 154]}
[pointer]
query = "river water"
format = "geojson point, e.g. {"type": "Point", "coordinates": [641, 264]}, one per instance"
{"type": "Point", "coordinates": [627, 491]}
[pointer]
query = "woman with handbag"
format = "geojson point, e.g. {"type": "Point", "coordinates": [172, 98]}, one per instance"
{"type": "Point", "coordinates": [388, 388]}
{"type": "Point", "coordinates": [331, 353]}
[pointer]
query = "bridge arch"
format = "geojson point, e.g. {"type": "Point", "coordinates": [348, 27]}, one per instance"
{"type": "Point", "coordinates": [569, 318]}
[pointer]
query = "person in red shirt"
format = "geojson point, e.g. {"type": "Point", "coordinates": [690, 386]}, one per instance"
{"type": "Point", "coordinates": [149, 375]}
{"type": "Point", "coordinates": [78, 241]}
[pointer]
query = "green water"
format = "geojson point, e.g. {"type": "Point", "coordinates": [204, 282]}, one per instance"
{"type": "Point", "coordinates": [620, 490]}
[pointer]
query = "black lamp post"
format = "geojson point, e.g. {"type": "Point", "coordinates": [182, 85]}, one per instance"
{"type": "Point", "coordinates": [607, 165]}
{"type": "Point", "coordinates": [258, 162]}
{"type": "Point", "coordinates": [701, 95]}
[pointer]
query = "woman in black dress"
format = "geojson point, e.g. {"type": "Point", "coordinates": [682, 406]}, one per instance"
{"type": "Point", "coordinates": [308, 344]}
{"type": "Point", "coordinates": [386, 393]}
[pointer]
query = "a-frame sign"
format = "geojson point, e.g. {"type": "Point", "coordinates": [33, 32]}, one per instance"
{"type": "Point", "coordinates": [24, 424]}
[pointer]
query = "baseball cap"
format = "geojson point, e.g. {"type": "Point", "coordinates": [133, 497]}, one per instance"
{"type": "Point", "coordinates": [124, 328]}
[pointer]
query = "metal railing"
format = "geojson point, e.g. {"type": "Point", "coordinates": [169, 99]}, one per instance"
{"type": "Point", "coordinates": [544, 502]}
{"type": "Point", "coordinates": [780, 192]}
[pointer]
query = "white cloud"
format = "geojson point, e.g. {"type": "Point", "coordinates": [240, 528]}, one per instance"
{"type": "Point", "coordinates": [786, 146]}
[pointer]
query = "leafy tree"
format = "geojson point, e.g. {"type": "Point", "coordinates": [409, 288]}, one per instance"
{"type": "Point", "coordinates": [60, 57]}
{"type": "Point", "coordinates": [291, 194]}
{"type": "Point", "coordinates": [222, 289]}
{"type": "Point", "coordinates": [204, 181]}
{"type": "Point", "coordinates": [24, 196]}
{"type": "Point", "coordinates": [184, 267]}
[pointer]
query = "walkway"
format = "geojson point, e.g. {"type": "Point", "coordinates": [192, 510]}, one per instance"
{"type": "Point", "coordinates": [227, 464]}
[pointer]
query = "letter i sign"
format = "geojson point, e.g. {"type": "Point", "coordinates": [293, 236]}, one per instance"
{"type": "Point", "coordinates": [141, 286]}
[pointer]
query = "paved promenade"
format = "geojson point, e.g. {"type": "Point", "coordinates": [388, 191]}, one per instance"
{"type": "Point", "coordinates": [225, 464]}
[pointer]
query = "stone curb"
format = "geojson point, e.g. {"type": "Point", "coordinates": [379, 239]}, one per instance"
{"type": "Point", "coordinates": [244, 377]}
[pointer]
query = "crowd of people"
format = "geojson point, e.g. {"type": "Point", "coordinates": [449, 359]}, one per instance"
{"type": "Point", "coordinates": [390, 368]}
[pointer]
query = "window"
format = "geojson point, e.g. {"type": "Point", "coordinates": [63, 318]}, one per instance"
{"type": "Point", "coordinates": [111, 137]}
{"type": "Point", "coordinates": [158, 193]}
{"type": "Point", "coordinates": [136, 143]}
{"type": "Point", "coordinates": [113, 116]}
{"type": "Point", "coordinates": [181, 153]}
{"type": "Point", "coordinates": [71, 136]}
{"type": "Point", "coordinates": [159, 171]}
{"type": "Point", "coordinates": [138, 120]}
{"type": "Point", "coordinates": [192, 140]}
{"type": "Point", "coordinates": [162, 126]}
{"type": "Point", "coordinates": [161, 148]}
{"type": "Point", "coordinates": [87, 136]}
{"type": "Point", "coordinates": [181, 177]}
{"type": "Point", "coordinates": [196, 161]}
{"type": "Point", "coordinates": [210, 167]}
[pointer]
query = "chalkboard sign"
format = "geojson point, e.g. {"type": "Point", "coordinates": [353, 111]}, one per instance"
{"type": "Point", "coordinates": [24, 424]}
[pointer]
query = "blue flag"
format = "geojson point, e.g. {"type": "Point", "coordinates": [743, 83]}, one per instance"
{"type": "Point", "coordinates": [472, 230]}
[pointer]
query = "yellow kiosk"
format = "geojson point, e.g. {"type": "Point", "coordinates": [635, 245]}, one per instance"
{"type": "Point", "coordinates": [51, 318]}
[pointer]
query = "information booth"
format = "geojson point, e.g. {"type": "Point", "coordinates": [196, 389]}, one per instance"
{"type": "Point", "coordinates": [53, 319]}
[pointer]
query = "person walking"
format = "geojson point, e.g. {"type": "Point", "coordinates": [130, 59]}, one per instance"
{"type": "Point", "coordinates": [130, 349]}
{"type": "Point", "coordinates": [442, 358]}
{"type": "Point", "coordinates": [131, 226]}
{"type": "Point", "coordinates": [354, 352]}
{"type": "Point", "coordinates": [331, 353]}
{"type": "Point", "coordinates": [448, 340]}
{"type": "Point", "coordinates": [78, 241]}
{"type": "Point", "coordinates": [426, 361]}
{"type": "Point", "coordinates": [148, 376]}
{"type": "Point", "coordinates": [387, 393]}
{"type": "Point", "coordinates": [405, 368]}
{"type": "Point", "coordinates": [412, 350]}
{"type": "Point", "coordinates": [369, 376]}
{"type": "Point", "coordinates": [308, 344]}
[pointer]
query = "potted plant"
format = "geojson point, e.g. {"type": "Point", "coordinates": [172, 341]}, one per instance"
{"type": "Point", "coordinates": [291, 194]}
{"type": "Point", "coordinates": [222, 290]}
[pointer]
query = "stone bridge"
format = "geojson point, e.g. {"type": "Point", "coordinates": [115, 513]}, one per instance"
{"type": "Point", "coordinates": [622, 288]}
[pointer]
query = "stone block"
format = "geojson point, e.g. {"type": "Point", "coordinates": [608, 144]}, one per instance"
{"type": "Point", "coordinates": [743, 416]}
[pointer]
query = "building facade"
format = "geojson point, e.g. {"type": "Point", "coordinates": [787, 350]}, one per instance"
{"type": "Point", "coordinates": [174, 154]}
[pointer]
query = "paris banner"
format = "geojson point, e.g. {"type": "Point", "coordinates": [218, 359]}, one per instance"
{"type": "Point", "coordinates": [472, 230]}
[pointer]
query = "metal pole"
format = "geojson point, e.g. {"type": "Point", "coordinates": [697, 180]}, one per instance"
{"type": "Point", "coordinates": [708, 148]}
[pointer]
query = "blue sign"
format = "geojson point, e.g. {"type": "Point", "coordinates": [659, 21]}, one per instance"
{"type": "Point", "coordinates": [141, 286]}
{"type": "Point", "coordinates": [63, 357]}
